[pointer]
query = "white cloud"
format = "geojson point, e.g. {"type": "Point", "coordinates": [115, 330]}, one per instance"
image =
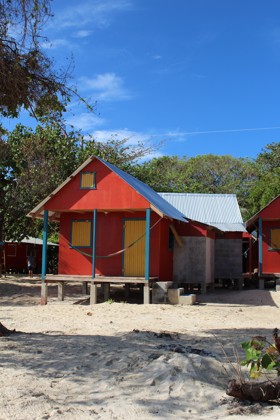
{"type": "Point", "coordinates": [133, 138]}
{"type": "Point", "coordinates": [97, 13]}
{"type": "Point", "coordinates": [105, 87]}
{"type": "Point", "coordinates": [55, 43]}
{"type": "Point", "coordinates": [82, 34]}
{"type": "Point", "coordinates": [85, 121]}
{"type": "Point", "coordinates": [156, 57]}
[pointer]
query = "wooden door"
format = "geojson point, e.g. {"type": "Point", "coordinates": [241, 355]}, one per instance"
{"type": "Point", "coordinates": [134, 256]}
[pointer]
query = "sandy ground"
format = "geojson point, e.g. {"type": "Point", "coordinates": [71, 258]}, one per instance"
{"type": "Point", "coordinates": [119, 360]}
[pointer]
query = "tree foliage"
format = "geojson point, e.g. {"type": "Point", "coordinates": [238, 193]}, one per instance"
{"type": "Point", "coordinates": [164, 174]}
{"type": "Point", "coordinates": [267, 185]}
{"type": "Point", "coordinates": [34, 162]}
{"type": "Point", "coordinates": [201, 174]}
{"type": "Point", "coordinates": [28, 78]}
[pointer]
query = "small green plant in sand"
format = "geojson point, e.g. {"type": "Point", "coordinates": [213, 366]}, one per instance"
{"type": "Point", "coordinates": [110, 301]}
{"type": "Point", "coordinates": [262, 359]}
{"type": "Point", "coordinates": [261, 355]}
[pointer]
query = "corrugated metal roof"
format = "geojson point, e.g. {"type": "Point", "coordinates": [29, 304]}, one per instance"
{"type": "Point", "coordinates": [33, 241]}
{"type": "Point", "coordinates": [218, 210]}
{"type": "Point", "coordinates": [154, 198]}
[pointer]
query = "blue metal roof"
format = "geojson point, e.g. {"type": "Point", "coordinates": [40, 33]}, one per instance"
{"type": "Point", "coordinates": [154, 198]}
{"type": "Point", "coordinates": [218, 210]}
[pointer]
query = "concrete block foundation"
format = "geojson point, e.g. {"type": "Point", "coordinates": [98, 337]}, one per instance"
{"type": "Point", "coordinates": [177, 297]}
{"type": "Point", "coordinates": [159, 291]}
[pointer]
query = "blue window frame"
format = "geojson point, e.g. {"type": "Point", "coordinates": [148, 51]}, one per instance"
{"type": "Point", "coordinates": [88, 180]}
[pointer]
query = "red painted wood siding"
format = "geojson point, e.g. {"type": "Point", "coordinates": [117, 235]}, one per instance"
{"type": "Point", "coordinates": [18, 263]}
{"type": "Point", "coordinates": [272, 211]}
{"type": "Point", "coordinates": [110, 240]}
{"type": "Point", "coordinates": [194, 229]}
{"type": "Point", "coordinates": [111, 193]}
{"type": "Point", "coordinates": [271, 258]}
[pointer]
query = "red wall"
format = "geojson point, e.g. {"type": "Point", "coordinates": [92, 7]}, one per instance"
{"type": "Point", "coordinates": [111, 192]}
{"type": "Point", "coordinates": [272, 211]}
{"type": "Point", "coordinates": [18, 263]}
{"type": "Point", "coordinates": [109, 238]}
{"type": "Point", "coordinates": [194, 229]}
{"type": "Point", "coordinates": [271, 259]}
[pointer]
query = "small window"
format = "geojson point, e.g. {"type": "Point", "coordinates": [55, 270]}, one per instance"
{"type": "Point", "coordinates": [88, 180]}
{"type": "Point", "coordinates": [11, 250]}
{"type": "Point", "coordinates": [275, 239]}
{"type": "Point", "coordinates": [81, 233]}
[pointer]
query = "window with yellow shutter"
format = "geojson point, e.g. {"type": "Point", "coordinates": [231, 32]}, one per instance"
{"type": "Point", "coordinates": [81, 233]}
{"type": "Point", "coordinates": [275, 239]}
{"type": "Point", "coordinates": [88, 180]}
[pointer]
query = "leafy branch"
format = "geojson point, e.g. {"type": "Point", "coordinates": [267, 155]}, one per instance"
{"type": "Point", "coordinates": [261, 355]}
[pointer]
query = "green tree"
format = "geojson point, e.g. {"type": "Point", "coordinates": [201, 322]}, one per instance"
{"type": "Point", "coordinates": [38, 161]}
{"type": "Point", "coordinates": [201, 174]}
{"type": "Point", "coordinates": [118, 152]}
{"type": "Point", "coordinates": [164, 174]}
{"type": "Point", "coordinates": [267, 185]}
{"type": "Point", "coordinates": [28, 78]}
{"type": "Point", "coordinates": [222, 175]}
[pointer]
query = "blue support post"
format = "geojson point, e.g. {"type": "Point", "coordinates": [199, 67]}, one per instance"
{"type": "Point", "coordinates": [45, 245]}
{"type": "Point", "coordinates": [147, 259]}
{"type": "Point", "coordinates": [94, 243]}
{"type": "Point", "coordinates": [260, 246]}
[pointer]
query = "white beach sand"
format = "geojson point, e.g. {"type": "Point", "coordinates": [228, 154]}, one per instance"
{"type": "Point", "coordinates": [126, 361]}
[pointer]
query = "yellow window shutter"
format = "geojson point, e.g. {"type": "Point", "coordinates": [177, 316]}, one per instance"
{"type": "Point", "coordinates": [81, 233]}
{"type": "Point", "coordinates": [275, 239]}
{"type": "Point", "coordinates": [88, 180]}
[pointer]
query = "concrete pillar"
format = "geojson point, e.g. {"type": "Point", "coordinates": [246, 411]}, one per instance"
{"type": "Point", "coordinates": [44, 293]}
{"type": "Point", "coordinates": [93, 293]}
{"type": "Point", "coordinates": [61, 290]}
{"type": "Point", "coordinates": [239, 284]}
{"type": "Point", "coordinates": [159, 291]}
{"type": "Point", "coordinates": [203, 289]}
{"type": "Point", "coordinates": [126, 290]}
{"type": "Point", "coordinates": [84, 288]}
{"type": "Point", "coordinates": [146, 293]}
{"type": "Point", "coordinates": [106, 291]}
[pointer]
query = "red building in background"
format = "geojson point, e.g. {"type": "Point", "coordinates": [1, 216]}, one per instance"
{"type": "Point", "coordinates": [14, 257]}
{"type": "Point", "coordinates": [266, 225]}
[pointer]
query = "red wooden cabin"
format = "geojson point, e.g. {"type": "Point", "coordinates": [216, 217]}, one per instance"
{"type": "Point", "coordinates": [14, 258]}
{"type": "Point", "coordinates": [111, 224]}
{"type": "Point", "coordinates": [266, 224]}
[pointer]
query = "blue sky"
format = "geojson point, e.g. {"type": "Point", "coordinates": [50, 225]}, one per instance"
{"type": "Point", "coordinates": [203, 76]}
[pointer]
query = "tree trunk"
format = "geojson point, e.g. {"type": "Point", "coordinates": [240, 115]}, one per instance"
{"type": "Point", "coordinates": [254, 391]}
{"type": "Point", "coordinates": [4, 331]}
